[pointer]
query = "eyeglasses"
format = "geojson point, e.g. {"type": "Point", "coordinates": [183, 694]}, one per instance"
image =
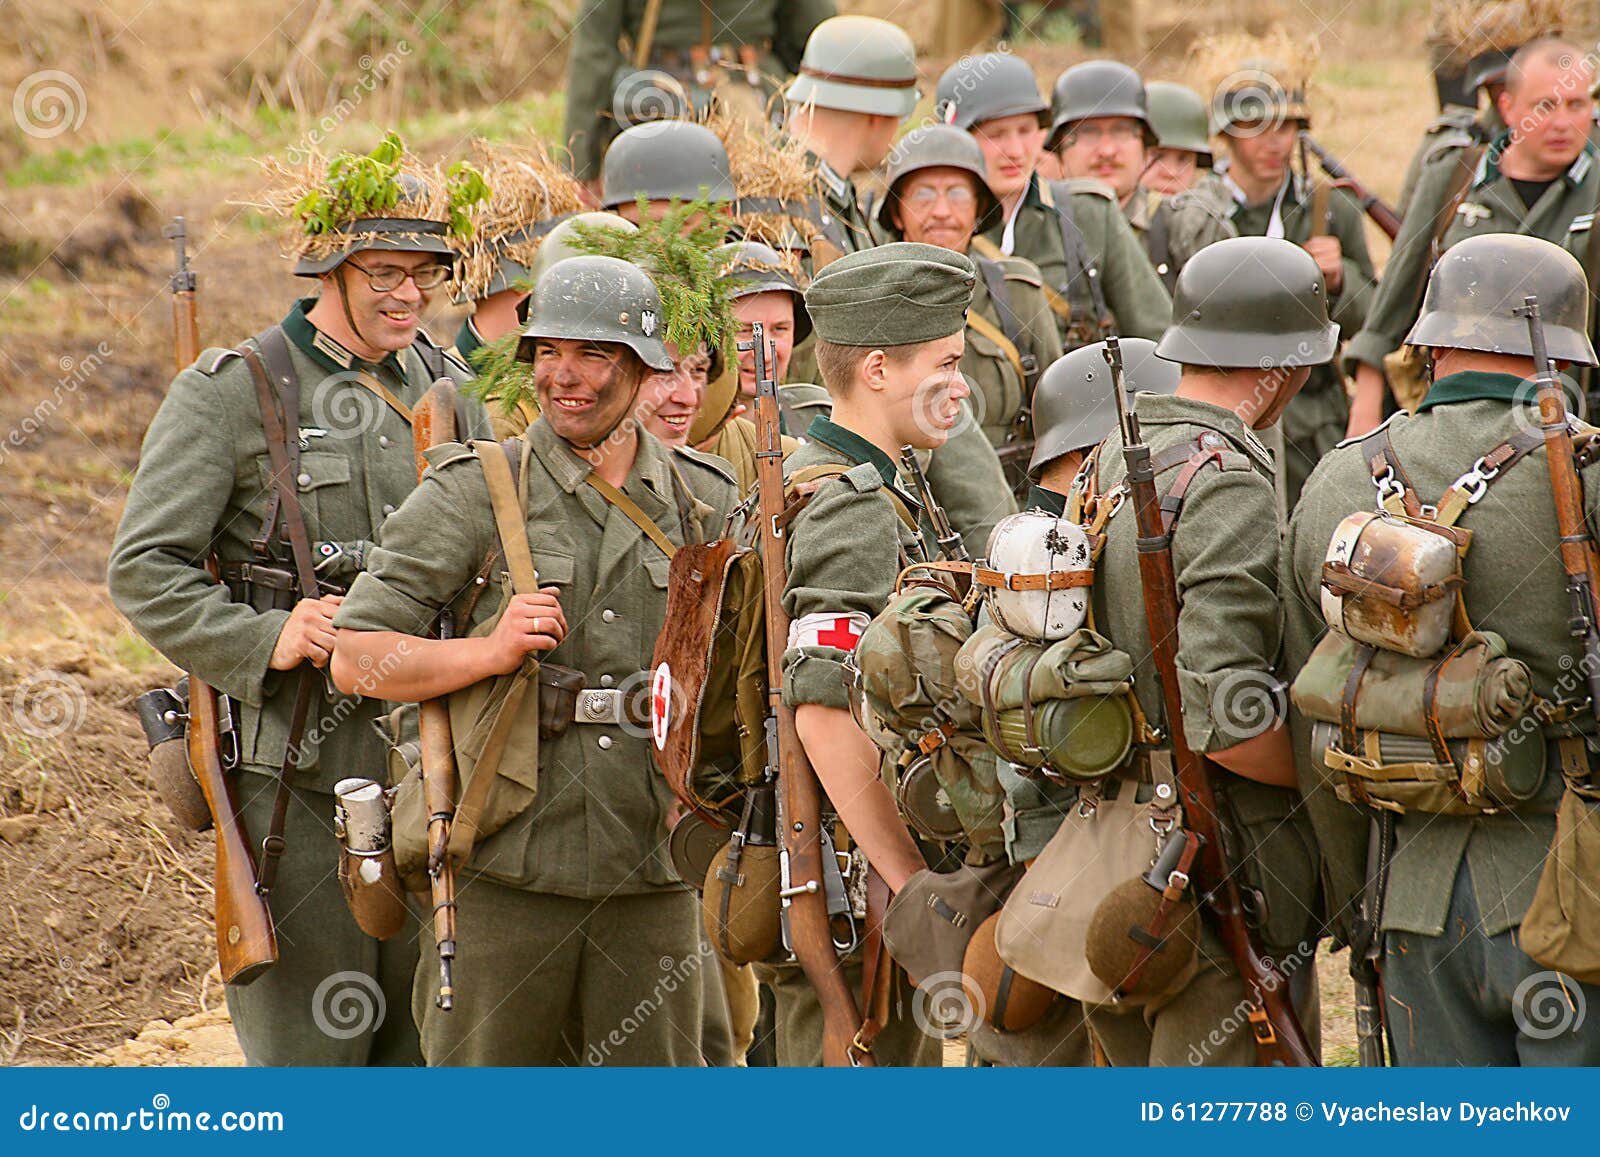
{"type": "Point", "coordinates": [391, 277]}
{"type": "Point", "coordinates": [1119, 132]}
{"type": "Point", "coordinates": [925, 196]}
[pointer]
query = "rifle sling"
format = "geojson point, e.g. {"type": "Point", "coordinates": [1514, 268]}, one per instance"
{"type": "Point", "coordinates": [629, 507]}
{"type": "Point", "coordinates": [993, 332]}
{"type": "Point", "coordinates": [283, 451]}
{"type": "Point", "coordinates": [1076, 250]}
{"type": "Point", "coordinates": [877, 967]}
{"type": "Point", "coordinates": [1591, 266]}
{"type": "Point", "coordinates": [1059, 305]}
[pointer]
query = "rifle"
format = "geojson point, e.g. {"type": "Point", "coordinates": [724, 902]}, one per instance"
{"type": "Point", "coordinates": [246, 943]}
{"type": "Point", "coordinates": [1366, 943]}
{"type": "Point", "coordinates": [1382, 215]}
{"type": "Point", "coordinates": [799, 794]}
{"type": "Point", "coordinates": [433, 421]}
{"type": "Point", "coordinates": [1279, 1037]}
{"type": "Point", "coordinates": [951, 545]}
{"type": "Point", "coordinates": [1577, 545]}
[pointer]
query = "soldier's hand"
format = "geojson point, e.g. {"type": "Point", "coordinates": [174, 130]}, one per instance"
{"type": "Point", "coordinates": [531, 623]}
{"type": "Point", "coordinates": [308, 636]}
{"type": "Point", "coordinates": [1328, 254]}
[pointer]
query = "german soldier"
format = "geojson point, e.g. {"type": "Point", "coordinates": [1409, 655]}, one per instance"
{"type": "Point", "coordinates": [337, 376]}
{"type": "Point", "coordinates": [1093, 268]}
{"type": "Point", "coordinates": [1103, 132]}
{"type": "Point", "coordinates": [1538, 178]}
{"type": "Point", "coordinates": [1464, 864]}
{"type": "Point", "coordinates": [1252, 322]}
{"type": "Point", "coordinates": [571, 909]}
{"type": "Point", "coordinates": [633, 61]}
{"type": "Point", "coordinates": [1183, 140]}
{"type": "Point", "coordinates": [1258, 108]}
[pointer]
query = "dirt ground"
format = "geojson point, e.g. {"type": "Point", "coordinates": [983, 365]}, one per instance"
{"type": "Point", "coordinates": [105, 933]}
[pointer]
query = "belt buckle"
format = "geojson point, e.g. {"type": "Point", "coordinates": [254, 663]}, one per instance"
{"type": "Point", "coordinates": [598, 705]}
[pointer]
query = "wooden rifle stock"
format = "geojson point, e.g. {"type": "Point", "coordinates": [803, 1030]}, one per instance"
{"type": "Point", "coordinates": [1374, 206]}
{"type": "Point", "coordinates": [1577, 544]}
{"type": "Point", "coordinates": [800, 794]}
{"type": "Point", "coordinates": [246, 943]}
{"type": "Point", "coordinates": [433, 421]}
{"type": "Point", "coordinates": [1274, 1025]}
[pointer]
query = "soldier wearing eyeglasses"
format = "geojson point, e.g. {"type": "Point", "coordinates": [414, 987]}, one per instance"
{"type": "Point", "coordinates": [344, 367]}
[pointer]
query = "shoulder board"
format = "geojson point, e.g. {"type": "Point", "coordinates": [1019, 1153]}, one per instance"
{"type": "Point", "coordinates": [1446, 144]}
{"type": "Point", "coordinates": [1191, 201]}
{"type": "Point", "coordinates": [863, 478]}
{"type": "Point", "coordinates": [803, 392]}
{"type": "Point", "coordinates": [1021, 269]}
{"type": "Point", "coordinates": [448, 453]}
{"type": "Point", "coordinates": [1581, 223]}
{"type": "Point", "coordinates": [448, 353]}
{"type": "Point", "coordinates": [718, 466]}
{"type": "Point", "coordinates": [1357, 440]}
{"type": "Point", "coordinates": [1453, 117]}
{"type": "Point", "coordinates": [1077, 185]}
{"type": "Point", "coordinates": [213, 360]}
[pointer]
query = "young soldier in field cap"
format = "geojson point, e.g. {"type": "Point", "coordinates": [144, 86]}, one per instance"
{"type": "Point", "coordinates": [890, 325]}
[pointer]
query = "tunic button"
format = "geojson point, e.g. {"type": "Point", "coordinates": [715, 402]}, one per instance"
{"type": "Point", "coordinates": [608, 616]}
{"type": "Point", "coordinates": [388, 510]}
{"type": "Point", "coordinates": [304, 480]}
{"type": "Point", "coordinates": [606, 680]}
{"type": "Point", "coordinates": [605, 742]}
{"type": "Point", "coordinates": [383, 441]}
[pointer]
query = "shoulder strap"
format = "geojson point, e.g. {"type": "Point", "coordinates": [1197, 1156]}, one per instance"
{"type": "Point", "coordinates": [283, 451]}
{"type": "Point", "coordinates": [509, 520]}
{"type": "Point", "coordinates": [993, 332]}
{"type": "Point", "coordinates": [1158, 243]}
{"type": "Point", "coordinates": [636, 516]}
{"type": "Point", "coordinates": [1591, 266]}
{"type": "Point", "coordinates": [1020, 353]}
{"type": "Point", "coordinates": [1076, 249]}
{"type": "Point", "coordinates": [1460, 179]}
{"type": "Point", "coordinates": [823, 471]}
{"type": "Point", "coordinates": [1059, 305]}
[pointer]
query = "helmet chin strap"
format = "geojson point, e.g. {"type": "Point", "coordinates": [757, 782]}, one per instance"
{"type": "Point", "coordinates": [344, 300]}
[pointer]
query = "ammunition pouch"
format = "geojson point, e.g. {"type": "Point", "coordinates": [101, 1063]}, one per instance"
{"type": "Point", "coordinates": [267, 587]}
